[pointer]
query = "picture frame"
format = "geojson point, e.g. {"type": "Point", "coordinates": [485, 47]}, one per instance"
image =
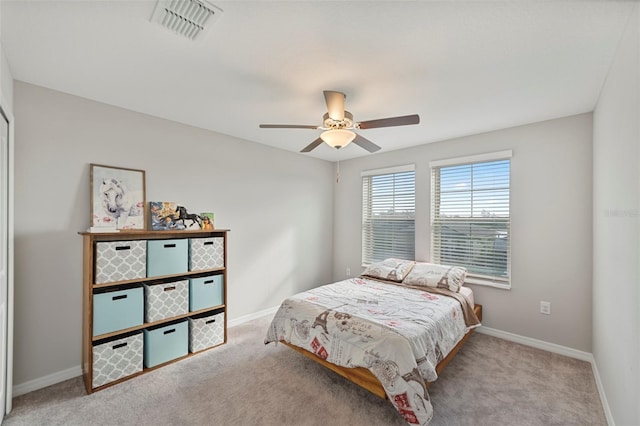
{"type": "Point", "coordinates": [118, 197]}
{"type": "Point", "coordinates": [207, 221]}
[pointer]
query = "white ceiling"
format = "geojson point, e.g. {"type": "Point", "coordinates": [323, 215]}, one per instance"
{"type": "Point", "coordinates": [465, 67]}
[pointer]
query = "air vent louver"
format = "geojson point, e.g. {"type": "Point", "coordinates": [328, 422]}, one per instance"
{"type": "Point", "coordinates": [188, 18]}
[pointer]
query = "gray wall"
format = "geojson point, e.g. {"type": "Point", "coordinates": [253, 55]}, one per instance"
{"type": "Point", "coordinates": [6, 83]}
{"type": "Point", "coordinates": [278, 205]}
{"type": "Point", "coordinates": [551, 224]}
{"type": "Point", "coordinates": [6, 79]}
{"type": "Point", "coordinates": [616, 232]}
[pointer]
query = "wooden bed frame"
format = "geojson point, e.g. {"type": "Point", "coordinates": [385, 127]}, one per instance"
{"type": "Point", "coordinates": [364, 378]}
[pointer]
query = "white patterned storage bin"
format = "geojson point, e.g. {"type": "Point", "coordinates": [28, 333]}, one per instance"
{"type": "Point", "coordinates": [120, 261]}
{"type": "Point", "coordinates": [166, 300]}
{"type": "Point", "coordinates": [206, 332]}
{"type": "Point", "coordinates": [117, 359]}
{"type": "Point", "coordinates": [206, 253]}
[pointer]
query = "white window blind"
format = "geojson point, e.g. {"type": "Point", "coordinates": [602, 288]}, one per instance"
{"type": "Point", "coordinates": [470, 218]}
{"type": "Point", "coordinates": [388, 214]}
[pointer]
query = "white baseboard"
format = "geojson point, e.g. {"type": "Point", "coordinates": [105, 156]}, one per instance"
{"type": "Point", "coordinates": [255, 315]}
{"type": "Point", "coordinates": [557, 349]}
{"type": "Point", "coordinates": [43, 382]}
{"type": "Point", "coordinates": [535, 343]}
{"type": "Point", "coordinates": [603, 396]}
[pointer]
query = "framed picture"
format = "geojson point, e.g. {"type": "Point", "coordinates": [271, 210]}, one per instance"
{"type": "Point", "coordinates": [207, 221]}
{"type": "Point", "coordinates": [117, 197]}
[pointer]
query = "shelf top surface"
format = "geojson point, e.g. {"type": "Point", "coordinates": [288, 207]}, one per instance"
{"type": "Point", "coordinates": [147, 233]}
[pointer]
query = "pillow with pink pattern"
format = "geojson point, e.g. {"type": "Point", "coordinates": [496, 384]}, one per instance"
{"type": "Point", "coordinates": [391, 269]}
{"type": "Point", "coordinates": [438, 276]}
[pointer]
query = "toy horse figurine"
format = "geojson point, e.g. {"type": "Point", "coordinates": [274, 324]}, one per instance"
{"type": "Point", "coordinates": [183, 215]}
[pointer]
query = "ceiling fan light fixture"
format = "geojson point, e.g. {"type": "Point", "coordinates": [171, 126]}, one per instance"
{"type": "Point", "coordinates": [338, 138]}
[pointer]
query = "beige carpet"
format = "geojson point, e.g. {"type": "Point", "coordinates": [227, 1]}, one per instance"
{"type": "Point", "coordinates": [490, 382]}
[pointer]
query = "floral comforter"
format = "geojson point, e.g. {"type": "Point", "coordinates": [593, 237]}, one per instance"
{"type": "Point", "coordinates": [400, 334]}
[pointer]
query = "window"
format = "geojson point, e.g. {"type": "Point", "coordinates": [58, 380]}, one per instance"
{"type": "Point", "coordinates": [388, 214]}
{"type": "Point", "coordinates": [470, 220]}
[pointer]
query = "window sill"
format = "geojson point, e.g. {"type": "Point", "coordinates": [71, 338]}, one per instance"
{"type": "Point", "coordinates": [487, 283]}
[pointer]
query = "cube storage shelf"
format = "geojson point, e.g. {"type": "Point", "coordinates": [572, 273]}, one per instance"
{"type": "Point", "coordinates": [150, 298]}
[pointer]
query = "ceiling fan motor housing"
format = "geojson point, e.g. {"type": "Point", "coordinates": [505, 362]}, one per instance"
{"type": "Point", "coordinates": [330, 123]}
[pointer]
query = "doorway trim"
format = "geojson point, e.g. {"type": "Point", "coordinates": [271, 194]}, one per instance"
{"type": "Point", "coordinates": [8, 403]}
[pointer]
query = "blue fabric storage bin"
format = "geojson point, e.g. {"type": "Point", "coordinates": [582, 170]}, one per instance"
{"type": "Point", "coordinates": [166, 343]}
{"type": "Point", "coordinates": [167, 257]}
{"type": "Point", "coordinates": [117, 310]}
{"type": "Point", "coordinates": [205, 292]}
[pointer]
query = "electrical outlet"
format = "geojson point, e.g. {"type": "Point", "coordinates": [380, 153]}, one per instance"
{"type": "Point", "coordinates": [348, 271]}
{"type": "Point", "coordinates": [545, 308]}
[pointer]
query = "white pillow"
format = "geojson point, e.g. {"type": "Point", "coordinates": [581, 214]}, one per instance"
{"type": "Point", "coordinates": [389, 269]}
{"type": "Point", "coordinates": [438, 276]}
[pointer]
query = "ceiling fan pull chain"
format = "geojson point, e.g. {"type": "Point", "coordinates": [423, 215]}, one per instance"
{"type": "Point", "coordinates": [338, 173]}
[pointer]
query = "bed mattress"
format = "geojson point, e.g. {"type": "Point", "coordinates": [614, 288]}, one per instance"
{"type": "Point", "coordinates": [468, 294]}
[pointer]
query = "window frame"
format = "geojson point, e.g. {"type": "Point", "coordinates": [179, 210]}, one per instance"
{"type": "Point", "coordinates": [366, 203]}
{"type": "Point", "coordinates": [473, 278]}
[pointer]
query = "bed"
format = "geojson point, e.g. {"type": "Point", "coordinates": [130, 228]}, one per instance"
{"type": "Point", "coordinates": [391, 330]}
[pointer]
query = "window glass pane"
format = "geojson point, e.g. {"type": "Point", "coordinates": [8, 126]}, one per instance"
{"type": "Point", "coordinates": [470, 217]}
{"type": "Point", "coordinates": [388, 216]}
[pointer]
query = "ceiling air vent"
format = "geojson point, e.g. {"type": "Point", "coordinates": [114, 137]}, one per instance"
{"type": "Point", "coordinates": [189, 18]}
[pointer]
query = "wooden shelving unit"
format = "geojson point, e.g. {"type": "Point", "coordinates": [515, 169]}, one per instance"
{"type": "Point", "coordinates": [90, 287]}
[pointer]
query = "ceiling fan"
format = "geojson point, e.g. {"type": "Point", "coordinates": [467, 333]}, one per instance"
{"type": "Point", "coordinates": [338, 125]}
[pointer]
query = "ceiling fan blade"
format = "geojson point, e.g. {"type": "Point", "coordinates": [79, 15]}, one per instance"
{"type": "Point", "coordinates": [287, 126]}
{"type": "Point", "coordinates": [389, 122]}
{"type": "Point", "coordinates": [366, 144]}
{"type": "Point", "coordinates": [335, 104]}
{"type": "Point", "coordinates": [313, 145]}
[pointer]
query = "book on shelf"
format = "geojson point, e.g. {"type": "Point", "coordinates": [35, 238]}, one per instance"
{"type": "Point", "coordinates": [164, 216]}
